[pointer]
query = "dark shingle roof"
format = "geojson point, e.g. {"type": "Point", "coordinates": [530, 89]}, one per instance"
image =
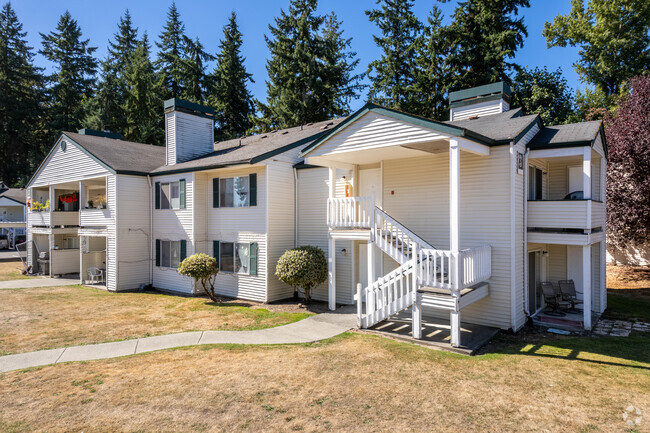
{"type": "Point", "coordinates": [574, 134]}
{"type": "Point", "coordinates": [120, 155]}
{"type": "Point", "coordinates": [501, 127]}
{"type": "Point", "coordinates": [254, 148]}
{"type": "Point", "coordinates": [17, 194]}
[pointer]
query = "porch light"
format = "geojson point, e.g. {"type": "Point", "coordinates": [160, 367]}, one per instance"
{"type": "Point", "coordinates": [344, 252]}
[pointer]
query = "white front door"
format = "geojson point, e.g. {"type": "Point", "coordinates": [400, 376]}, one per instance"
{"type": "Point", "coordinates": [369, 183]}
{"type": "Point", "coordinates": [575, 179]}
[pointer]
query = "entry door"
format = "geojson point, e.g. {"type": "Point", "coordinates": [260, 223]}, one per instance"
{"type": "Point", "coordinates": [534, 278]}
{"type": "Point", "coordinates": [576, 179]}
{"type": "Point", "coordinates": [370, 182]}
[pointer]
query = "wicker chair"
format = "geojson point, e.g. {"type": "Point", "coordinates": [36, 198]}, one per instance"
{"type": "Point", "coordinates": [569, 293]}
{"type": "Point", "coordinates": [553, 300]}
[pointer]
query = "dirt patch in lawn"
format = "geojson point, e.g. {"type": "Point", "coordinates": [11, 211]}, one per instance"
{"type": "Point", "coordinates": [42, 318]}
{"type": "Point", "coordinates": [354, 382]}
{"type": "Point", "coordinates": [10, 270]}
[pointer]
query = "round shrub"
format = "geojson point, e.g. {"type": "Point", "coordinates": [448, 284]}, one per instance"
{"type": "Point", "coordinates": [304, 267]}
{"type": "Point", "coordinates": [203, 269]}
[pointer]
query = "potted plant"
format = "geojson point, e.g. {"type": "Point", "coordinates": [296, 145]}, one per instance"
{"type": "Point", "coordinates": [101, 201]}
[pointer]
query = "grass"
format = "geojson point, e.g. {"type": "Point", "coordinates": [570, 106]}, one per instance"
{"type": "Point", "coordinates": [49, 317]}
{"type": "Point", "coordinates": [628, 293]}
{"type": "Point", "coordinates": [10, 270]}
{"type": "Point", "coordinates": [354, 382]}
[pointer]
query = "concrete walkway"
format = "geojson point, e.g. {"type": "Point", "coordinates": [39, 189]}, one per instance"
{"type": "Point", "coordinates": [313, 328]}
{"type": "Point", "coordinates": [34, 282]}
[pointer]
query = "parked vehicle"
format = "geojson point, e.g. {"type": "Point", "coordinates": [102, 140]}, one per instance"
{"type": "Point", "coordinates": [4, 242]}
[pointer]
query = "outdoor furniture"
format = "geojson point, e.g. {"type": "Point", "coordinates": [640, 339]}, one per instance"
{"type": "Point", "coordinates": [95, 275]}
{"type": "Point", "coordinates": [553, 300]}
{"type": "Point", "coordinates": [569, 293]}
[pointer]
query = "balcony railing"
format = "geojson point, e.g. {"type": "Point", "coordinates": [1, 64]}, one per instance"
{"type": "Point", "coordinates": [350, 212]}
{"type": "Point", "coordinates": [435, 267]}
{"type": "Point", "coordinates": [61, 218]}
{"type": "Point", "coordinates": [94, 217]}
{"type": "Point", "coordinates": [565, 214]}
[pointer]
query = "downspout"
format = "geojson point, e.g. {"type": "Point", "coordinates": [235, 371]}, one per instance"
{"type": "Point", "coordinates": [512, 237]}
{"type": "Point", "coordinates": [295, 207]}
{"type": "Point", "coordinates": [150, 232]}
{"type": "Point", "coordinates": [525, 249]}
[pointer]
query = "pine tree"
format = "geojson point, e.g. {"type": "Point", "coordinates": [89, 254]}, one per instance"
{"type": "Point", "coordinates": [341, 84]}
{"type": "Point", "coordinates": [194, 75]}
{"type": "Point", "coordinates": [393, 76]}
{"type": "Point", "coordinates": [295, 86]}
{"type": "Point", "coordinates": [20, 99]}
{"type": "Point", "coordinates": [433, 71]}
{"type": "Point", "coordinates": [143, 104]}
{"type": "Point", "coordinates": [232, 102]}
{"type": "Point", "coordinates": [170, 63]}
{"type": "Point", "coordinates": [74, 77]}
{"type": "Point", "coordinates": [112, 87]}
{"type": "Point", "coordinates": [484, 34]}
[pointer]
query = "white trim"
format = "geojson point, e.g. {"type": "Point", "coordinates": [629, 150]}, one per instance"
{"type": "Point", "coordinates": [554, 153]}
{"type": "Point", "coordinates": [513, 260]}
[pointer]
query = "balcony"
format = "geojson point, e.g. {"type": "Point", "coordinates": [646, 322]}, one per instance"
{"type": "Point", "coordinates": [65, 218]}
{"type": "Point", "coordinates": [36, 218]}
{"type": "Point", "coordinates": [566, 214]}
{"type": "Point", "coordinates": [95, 217]}
{"type": "Point", "coordinates": [350, 212]}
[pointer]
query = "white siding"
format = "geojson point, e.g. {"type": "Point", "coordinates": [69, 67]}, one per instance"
{"type": "Point", "coordinates": [111, 238]}
{"type": "Point", "coordinates": [72, 165]}
{"type": "Point", "coordinates": [188, 136]}
{"type": "Point", "coordinates": [133, 231]}
{"type": "Point", "coordinates": [312, 229]}
{"type": "Point", "coordinates": [373, 131]}
{"type": "Point", "coordinates": [595, 277]}
{"type": "Point", "coordinates": [174, 225]}
{"type": "Point", "coordinates": [557, 262]}
{"type": "Point", "coordinates": [479, 109]}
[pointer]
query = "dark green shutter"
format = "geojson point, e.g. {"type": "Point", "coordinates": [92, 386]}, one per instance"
{"type": "Point", "coordinates": [215, 251]}
{"type": "Point", "coordinates": [215, 192]}
{"type": "Point", "coordinates": [181, 185]}
{"type": "Point", "coordinates": [158, 252]}
{"type": "Point", "coordinates": [253, 259]}
{"type": "Point", "coordinates": [183, 249]}
{"type": "Point", "coordinates": [252, 185]}
{"type": "Point", "coordinates": [157, 195]}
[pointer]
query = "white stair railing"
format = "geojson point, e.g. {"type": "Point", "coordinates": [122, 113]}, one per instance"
{"type": "Point", "coordinates": [475, 265]}
{"type": "Point", "coordinates": [350, 212]}
{"type": "Point", "coordinates": [394, 238]}
{"type": "Point", "coordinates": [435, 268]}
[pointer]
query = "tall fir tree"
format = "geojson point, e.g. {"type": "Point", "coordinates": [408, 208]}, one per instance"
{"type": "Point", "coordinates": [194, 76]}
{"type": "Point", "coordinates": [20, 98]}
{"type": "Point", "coordinates": [143, 104]}
{"type": "Point", "coordinates": [295, 86]}
{"type": "Point", "coordinates": [484, 35]}
{"type": "Point", "coordinates": [432, 80]}
{"type": "Point", "coordinates": [73, 80]}
{"type": "Point", "coordinates": [170, 63]}
{"type": "Point", "coordinates": [229, 95]}
{"type": "Point", "coordinates": [342, 85]}
{"type": "Point", "coordinates": [111, 93]}
{"type": "Point", "coordinates": [393, 76]}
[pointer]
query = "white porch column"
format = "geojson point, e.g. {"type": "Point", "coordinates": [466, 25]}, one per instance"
{"type": "Point", "coordinates": [332, 247]}
{"type": "Point", "coordinates": [332, 273]}
{"type": "Point", "coordinates": [51, 196]}
{"type": "Point", "coordinates": [454, 234]}
{"type": "Point", "coordinates": [416, 308]}
{"type": "Point", "coordinates": [586, 285]}
{"type": "Point", "coordinates": [586, 182]}
{"type": "Point", "coordinates": [371, 262]}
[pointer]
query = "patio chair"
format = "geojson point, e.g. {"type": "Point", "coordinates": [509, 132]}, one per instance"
{"type": "Point", "coordinates": [569, 293]}
{"type": "Point", "coordinates": [95, 275]}
{"type": "Point", "coordinates": [553, 300]}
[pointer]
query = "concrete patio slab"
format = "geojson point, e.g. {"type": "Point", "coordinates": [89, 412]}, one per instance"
{"type": "Point", "coordinates": [31, 359]}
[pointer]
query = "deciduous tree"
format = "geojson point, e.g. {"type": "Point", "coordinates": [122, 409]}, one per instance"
{"type": "Point", "coordinates": [545, 93]}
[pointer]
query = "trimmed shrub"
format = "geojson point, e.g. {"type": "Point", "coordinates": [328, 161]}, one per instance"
{"type": "Point", "coordinates": [303, 267]}
{"type": "Point", "coordinates": [203, 268]}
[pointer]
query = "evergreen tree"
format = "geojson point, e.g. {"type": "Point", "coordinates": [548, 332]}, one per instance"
{"type": "Point", "coordinates": [545, 93]}
{"type": "Point", "coordinates": [341, 85]}
{"type": "Point", "coordinates": [393, 76]}
{"type": "Point", "coordinates": [170, 64]}
{"type": "Point", "coordinates": [484, 34]}
{"type": "Point", "coordinates": [194, 76]}
{"type": "Point", "coordinates": [614, 40]}
{"type": "Point", "coordinates": [74, 76]}
{"type": "Point", "coordinates": [112, 87]}
{"type": "Point", "coordinates": [20, 99]}
{"type": "Point", "coordinates": [433, 70]}
{"type": "Point", "coordinates": [232, 102]}
{"type": "Point", "coordinates": [295, 86]}
{"type": "Point", "coordinates": [143, 104]}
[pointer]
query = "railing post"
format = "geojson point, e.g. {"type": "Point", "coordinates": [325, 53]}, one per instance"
{"type": "Point", "coordinates": [371, 207]}
{"type": "Point", "coordinates": [416, 308]}
{"type": "Point", "coordinates": [359, 306]}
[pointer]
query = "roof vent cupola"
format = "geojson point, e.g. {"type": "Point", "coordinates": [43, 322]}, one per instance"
{"type": "Point", "coordinates": [479, 101]}
{"type": "Point", "coordinates": [189, 130]}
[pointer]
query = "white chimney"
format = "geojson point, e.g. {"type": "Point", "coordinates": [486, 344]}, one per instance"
{"type": "Point", "coordinates": [189, 130]}
{"type": "Point", "coordinates": [479, 101]}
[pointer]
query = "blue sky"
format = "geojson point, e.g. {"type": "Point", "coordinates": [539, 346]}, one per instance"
{"type": "Point", "coordinates": [98, 20]}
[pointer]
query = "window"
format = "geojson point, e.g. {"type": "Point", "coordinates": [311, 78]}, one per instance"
{"type": "Point", "coordinates": [535, 183]}
{"type": "Point", "coordinates": [170, 254]}
{"type": "Point", "coordinates": [234, 257]}
{"type": "Point", "coordinates": [234, 192]}
{"type": "Point", "coordinates": [170, 195]}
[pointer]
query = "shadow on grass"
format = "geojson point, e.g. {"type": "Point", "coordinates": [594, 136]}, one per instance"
{"type": "Point", "coordinates": [632, 351]}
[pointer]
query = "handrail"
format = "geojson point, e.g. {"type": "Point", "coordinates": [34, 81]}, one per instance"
{"type": "Point", "coordinates": [421, 242]}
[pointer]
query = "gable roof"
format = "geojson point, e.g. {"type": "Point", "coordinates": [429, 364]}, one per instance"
{"type": "Point", "coordinates": [122, 157]}
{"type": "Point", "coordinates": [514, 125]}
{"type": "Point", "coordinates": [252, 149]}
{"type": "Point", "coordinates": [16, 194]}
{"type": "Point", "coordinates": [573, 134]}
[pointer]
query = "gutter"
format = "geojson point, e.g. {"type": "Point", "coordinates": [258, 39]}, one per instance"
{"type": "Point", "coordinates": [295, 207]}
{"type": "Point", "coordinates": [151, 241]}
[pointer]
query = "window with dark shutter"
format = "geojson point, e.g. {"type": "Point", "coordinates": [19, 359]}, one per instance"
{"type": "Point", "coordinates": [215, 193]}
